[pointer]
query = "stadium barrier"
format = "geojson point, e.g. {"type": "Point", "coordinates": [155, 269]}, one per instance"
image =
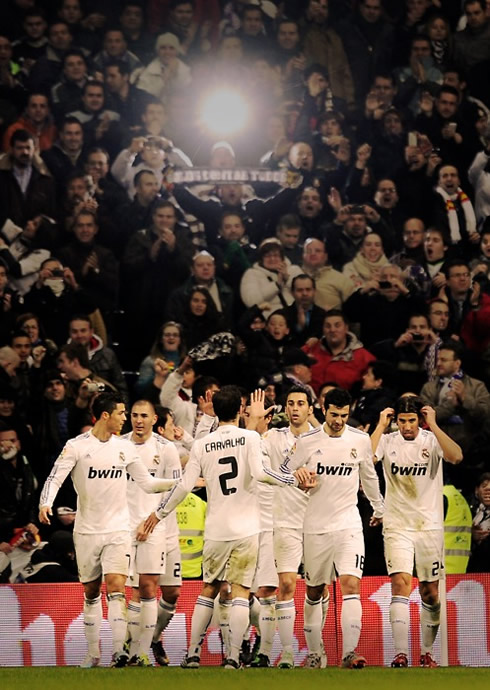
{"type": "Point", "coordinates": [42, 625]}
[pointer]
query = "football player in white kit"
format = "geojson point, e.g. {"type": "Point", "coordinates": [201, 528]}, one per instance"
{"type": "Point", "coordinates": [149, 558]}
{"type": "Point", "coordinates": [230, 461]}
{"type": "Point", "coordinates": [98, 462]}
{"type": "Point", "coordinates": [341, 457]}
{"type": "Point", "coordinates": [288, 511]}
{"type": "Point", "coordinates": [413, 520]}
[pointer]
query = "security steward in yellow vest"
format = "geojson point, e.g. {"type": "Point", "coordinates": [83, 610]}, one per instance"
{"type": "Point", "coordinates": [191, 514]}
{"type": "Point", "coordinates": [457, 530]}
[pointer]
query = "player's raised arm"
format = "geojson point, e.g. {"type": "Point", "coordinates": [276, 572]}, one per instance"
{"type": "Point", "coordinates": [384, 421]}
{"type": "Point", "coordinates": [149, 484]}
{"type": "Point", "coordinates": [64, 464]}
{"type": "Point", "coordinates": [451, 450]}
{"type": "Point", "coordinates": [370, 483]}
{"type": "Point", "coordinates": [260, 466]}
{"type": "Point", "coordinates": [172, 499]}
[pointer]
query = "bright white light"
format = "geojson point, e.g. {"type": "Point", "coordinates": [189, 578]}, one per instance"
{"type": "Point", "coordinates": [224, 112]}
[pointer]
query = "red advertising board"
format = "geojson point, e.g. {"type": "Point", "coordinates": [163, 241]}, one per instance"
{"type": "Point", "coordinates": [42, 625]}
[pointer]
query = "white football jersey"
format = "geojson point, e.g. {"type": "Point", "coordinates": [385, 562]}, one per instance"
{"type": "Point", "coordinates": [98, 470]}
{"type": "Point", "coordinates": [230, 460]}
{"type": "Point", "coordinates": [161, 459]}
{"type": "Point", "coordinates": [413, 474]}
{"type": "Point", "coordinates": [289, 504]}
{"type": "Point", "coordinates": [341, 463]}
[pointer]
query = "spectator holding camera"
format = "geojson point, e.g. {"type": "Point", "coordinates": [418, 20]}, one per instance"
{"type": "Point", "coordinates": [408, 353]}
{"type": "Point", "coordinates": [54, 297]}
{"type": "Point", "coordinates": [382, 307]}
{"type": "Point", "coordinates": [81, 382]}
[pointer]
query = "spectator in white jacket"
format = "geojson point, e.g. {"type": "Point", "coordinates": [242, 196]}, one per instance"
{"type": "Point", "coordinates": [268, 282]}
{"type": "Point", "coordinates": [166, 72]}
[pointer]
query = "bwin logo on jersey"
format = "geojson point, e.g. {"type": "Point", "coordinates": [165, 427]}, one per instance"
{"type": "Point", "coordinates": [109, 473]}
{"type": "Point", "coordinates": [415, 471]}
{"type": "Point", "coordinates": [341, 470]}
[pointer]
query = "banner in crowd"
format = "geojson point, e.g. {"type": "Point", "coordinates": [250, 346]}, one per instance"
{"type": "Point", "coordinates": [230, 175]}
{"type": "Point", "coordinates": [42, 625]}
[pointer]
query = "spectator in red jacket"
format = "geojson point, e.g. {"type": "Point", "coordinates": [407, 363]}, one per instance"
{"type": "Point", "coordinates": [339, 355]}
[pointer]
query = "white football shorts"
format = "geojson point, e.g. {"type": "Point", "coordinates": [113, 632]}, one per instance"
{"type": "Point", "coordinates": [409, 551]}
{"type": "Point", "coordinates": [234, 561]}
{"type": "Point", "coordinates": [331, 553]}
{"type": "Point", "coordinates": [266, 573]}
{"type": "Point", "coordinates": [288, 549]}
{"type": "Point", "coordinates": [100, 554]}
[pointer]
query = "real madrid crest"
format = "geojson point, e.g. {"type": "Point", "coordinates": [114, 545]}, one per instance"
{"type": "Point", "coordinates": [353, 453]}
{"type": "Point", "coordinates": [425, 453]}
{"type": "Point", "coordinates": [156, 459]}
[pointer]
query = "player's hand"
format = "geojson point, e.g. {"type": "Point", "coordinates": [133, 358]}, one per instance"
{"type": "Point", "coordinates": [386, 417]}
{"type": "Point", "coordinates": [44, 513]}
{"type": "Point", "coordinates": [149, 524]}
{"type": "Point", "coordinates": [429, 415]}
{"type": "Point", "coordinates": [306, 479]}
{"type": "Point", "coordinates": [257, 410]}
{"type": "Point", "coordinates": [5, 547]}
{"type": "Point", "coordinates": [179, 432]}
{"type": "Point", "coordinates": [206, 403]}
{"type": "Point", "coordinates": [141, 535]}
{"type": "Point", "coordinates": [374, 521]}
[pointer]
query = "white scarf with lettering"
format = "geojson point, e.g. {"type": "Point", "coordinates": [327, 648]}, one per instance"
{"type": "Point", "coordinates": [452, 215]}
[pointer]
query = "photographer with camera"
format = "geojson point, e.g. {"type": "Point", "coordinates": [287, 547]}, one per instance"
{"type": "Point", "coordinates": [81, 383]}
{"type": "Point", "coordinates": [382, 307]}
{"type": "Point", "coordinates": [54, 297]}
{"type": "Point", "coordinates": [408, 353]}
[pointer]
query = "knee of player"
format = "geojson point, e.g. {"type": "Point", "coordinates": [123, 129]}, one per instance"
{"type": "Point", "coordinates": [287, 584]}
{"type": "Point", "coordinates": [429, 593]}
{"type": "Point", "coordinates": [170, 594]}
{"type": "Point", "coordinates": [349, 584]}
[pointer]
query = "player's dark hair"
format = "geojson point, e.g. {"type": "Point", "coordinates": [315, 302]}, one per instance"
{"type": "Point", "coordinates": [162, 413]}
{"type": "Point", "coordinates": [227, 403]}
{"type": "Point", "coordinates": [201, 385]}
{"type": "Point", "coordinates": [410, 404]}
{"type": "Point", "coordinates": [301, 389]}
{"type": "Point", "coordinates": [337, 397]}
{"type": "Point", "coordinates": [106, 402]}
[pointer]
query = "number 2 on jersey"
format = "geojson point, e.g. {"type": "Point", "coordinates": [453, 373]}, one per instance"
{"type": "Point", "coordinates": [227, 476]}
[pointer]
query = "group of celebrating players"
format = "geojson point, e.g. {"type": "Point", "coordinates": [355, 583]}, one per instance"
{"type": "Point", "coordinates": [277, 498]}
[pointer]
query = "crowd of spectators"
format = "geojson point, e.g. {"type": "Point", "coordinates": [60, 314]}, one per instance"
{"type": "Point", "coordinates": [369, 268]}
